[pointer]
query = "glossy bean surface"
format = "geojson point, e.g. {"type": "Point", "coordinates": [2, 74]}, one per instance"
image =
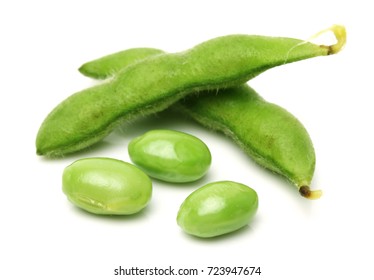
{"type": "Point", "coordinates": [170, 155]}
{"type": "Point", "coordinates": [106, 186]}
{"type": "Point", "coordinates": [217, 208]}
{"type": "Point", "coordinates": [155, 83]}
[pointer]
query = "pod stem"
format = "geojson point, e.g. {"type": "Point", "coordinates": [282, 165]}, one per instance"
{"type": "Point", "coordinates": [306, 192]}
{"type": "Point", "coordinates": [340, 35]}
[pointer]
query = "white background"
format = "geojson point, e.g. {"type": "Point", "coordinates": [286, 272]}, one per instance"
{"type": "Point", "coordinates": [43, 236]}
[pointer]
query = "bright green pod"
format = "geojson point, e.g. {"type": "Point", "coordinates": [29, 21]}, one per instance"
{"type": "Point", "coordinates": [153, 84]}
{"type": "Point", "coordinates": [110, 65]}
{"type": "Point", "coordinates": [170, 155]}
{"type": "Point", "coordinates": [106, 186]}
{"type": "Point", "coordinates": [218, 208]}
{"type": "Point", "coordinates": [271, 135]}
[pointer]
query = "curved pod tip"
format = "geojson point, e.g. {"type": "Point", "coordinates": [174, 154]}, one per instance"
{"type": "Point", "coordinates": [306, 192]}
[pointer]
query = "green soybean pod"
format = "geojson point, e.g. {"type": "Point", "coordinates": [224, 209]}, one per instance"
{"type": "Point", "coordinates": [217, 208]}
{"type": "Point", "coordinates": [106, 186]}
{"type": "Point", "coordinates": [155, 83]}
{"type": "Point", "coordinates": [269, 134]}
{"type": "Point", "coordinates": [170, 155]}
{"type": "Point", "coordinates": [109, 65]}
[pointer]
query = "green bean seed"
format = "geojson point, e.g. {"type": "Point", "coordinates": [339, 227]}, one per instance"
{"type": "Point", "coordinates": [170, 155]}
{"type": "Point", "coordinates": [154, 83]}
{"type": "Point", "coordinates": [106, 186]}
{"type": "Point", "coordinates": [217, 208]}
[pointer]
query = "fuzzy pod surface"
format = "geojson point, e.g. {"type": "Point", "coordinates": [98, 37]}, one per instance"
{"type": "Point", "coordinates": [154, 83]}
{"type": "Point", "coordinates": [268, 133]}
{"type": "Point", "coordinates": [110, 65]}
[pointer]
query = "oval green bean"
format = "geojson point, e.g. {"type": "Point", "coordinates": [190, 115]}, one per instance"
{"type": "Point", "coordinates": [217, 208]}
{"type": "Point", "coordinates": [155, 83]}
{"type": "Point", "coordinates": [171, 156]}
{"type": "Point", "coordinates": [106, 186]}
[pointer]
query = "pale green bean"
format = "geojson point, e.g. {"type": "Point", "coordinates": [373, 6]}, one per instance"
{"type": "Point", "coordinates": [217, 208]}
{"type": "Point", "coordinates": [106, 186]}
{"type": "Point", "coordinates": [171, 156]}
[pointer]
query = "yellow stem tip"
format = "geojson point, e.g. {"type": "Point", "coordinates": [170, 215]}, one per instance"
{"type": "Point", "coordinates": [340, 35]}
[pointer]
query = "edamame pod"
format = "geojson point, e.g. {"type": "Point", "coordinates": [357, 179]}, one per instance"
{"type": "Point", "coordinates": [155, 83]}
{"type": "Point", "coordinates": [109, 65]}
{"type": "Point", "coordinates": [217, 208]}
{"type": "Point", "coordinates": [272, 136]}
